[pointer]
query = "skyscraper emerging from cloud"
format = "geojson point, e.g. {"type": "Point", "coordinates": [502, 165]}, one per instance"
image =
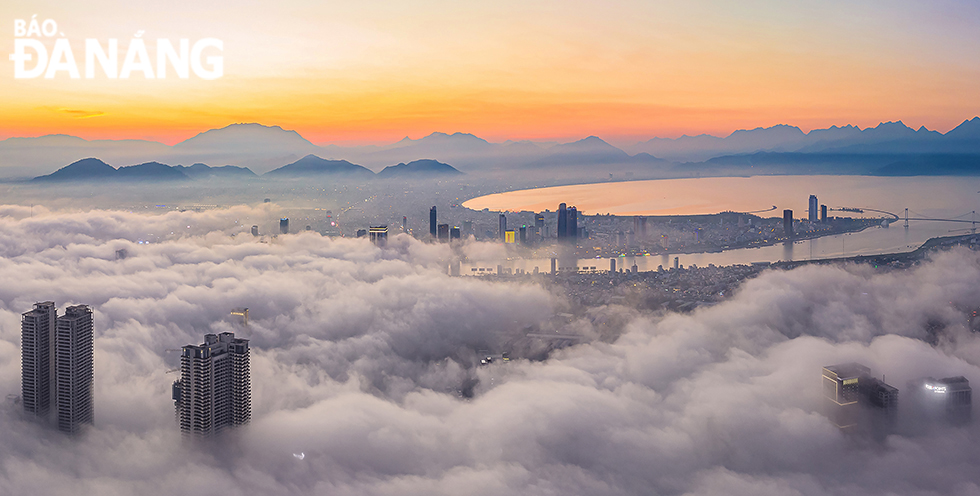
{"type": "Point", "coordinates": [432, 222]}
{"type": "Point", "coordinates": [37, 357]}
{"type": "Point", "coordinates": [562, 221]}
{"type": "Point", "coordinates": [214, 390]}
{"type": "Point", "coordinates": [74, 368]}
{"type": "Point", "coordinates": [814, 209]}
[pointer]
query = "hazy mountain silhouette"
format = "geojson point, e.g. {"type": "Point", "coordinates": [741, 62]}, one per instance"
{"type": "Point", "coordinates": [702, 147]}
{"type": "Point", "coordinates": [588, 151]}
{"type": "Point", "coordinates": [150, 171]}
{"type": "Point", "coordinates": [418, 168]}
{"type": "Point", "coordinates": [312, 165]}
{"type": "Point", "coordinates": [93, 169]}
{"type": "Point", "coordinates": [84, 169]}
{"type": "Point", "coordinates": [263, 148]}
{"type": "Point", "coordinates": [255, 146]}
{"type": "Point", "coordinates": [29, 157]}
{"type": "Point", "coordinates": [203, 171]}
{"type": "Point", "coordinates": [458, 148]}
{"type": "Point", "coordinates": [885, 138]}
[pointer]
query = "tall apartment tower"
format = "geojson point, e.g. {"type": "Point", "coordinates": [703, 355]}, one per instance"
{"type": "Point", "coordinates": [214, 391]}
{"type": "Point", "coordinates": [502, 226]}
{"type": "Point", "coordinates": [788, 223]}
{"type": "Point", "coordinates": [284, 226]}
{"type": "Point", "coordinates": [37, 329]}
{"type": "Point", "coordinates": [572, 223]}
{"type": "Point", "coordinates": [432, 222]}
{"type": "Point", "coordinates": [562, 221]}
{"type": "Point", "coordinates": [73, 366]}
{"type": "Point", "coordinates": [814, 209]}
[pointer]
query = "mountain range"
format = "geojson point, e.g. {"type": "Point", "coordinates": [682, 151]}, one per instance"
{"type": "Point", "coordinates": [890, 147]}
{"type": "Point", "coordinates": [93, 169]}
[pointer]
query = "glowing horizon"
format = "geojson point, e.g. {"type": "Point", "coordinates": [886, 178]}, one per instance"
{"type": "Point", "coordinates": [550, 71]}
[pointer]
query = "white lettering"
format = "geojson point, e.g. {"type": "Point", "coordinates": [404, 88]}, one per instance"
{"type": "Point", "coordinates": [20, 56]}
{"type": "Point", "coordinates": [215, 61]}
{"type": "Point", "coordinates": [49, 23]}
{"type": "Point", "coordinates": [34, 29]}
{"type": "Point", "coordinates": [109, 63]}
{"type": "Point", "coordinates": [137, 48]}
{"type": "Point", "coordinates": [62, 60]}
{"type": "Point", "coordinates": [20, 27]}
{"type": "Point", "coordinates": [180, 63]}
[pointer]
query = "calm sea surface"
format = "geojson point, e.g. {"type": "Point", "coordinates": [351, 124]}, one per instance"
{"type": "Point", "coordinates": [925, 197]}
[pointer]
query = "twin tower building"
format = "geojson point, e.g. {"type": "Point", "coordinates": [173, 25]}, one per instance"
{"type": "Point", "coordinates": [56, 364]}
{"type": "Point", "coordinates": [213, 392]}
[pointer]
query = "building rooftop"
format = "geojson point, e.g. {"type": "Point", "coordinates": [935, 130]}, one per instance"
{"type": "Point", "coordinates": [844, 371]}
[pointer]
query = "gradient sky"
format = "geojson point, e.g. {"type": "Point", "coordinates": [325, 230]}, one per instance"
{"type": "Point", "coordinates": [373, 72]}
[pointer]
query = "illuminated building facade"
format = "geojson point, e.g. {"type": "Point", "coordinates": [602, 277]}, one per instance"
{"type": "Point", "coordinates": [841, 392]}
{"type": "Point", "coordinates": [378, 235]}
{"type": "Point", "coordinates": [950, 398]}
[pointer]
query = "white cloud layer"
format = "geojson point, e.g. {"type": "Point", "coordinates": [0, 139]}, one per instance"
{"type": "Point", "coordinates": [358, 355]}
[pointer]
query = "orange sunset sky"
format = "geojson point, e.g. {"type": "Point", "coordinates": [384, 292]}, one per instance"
{"type": "Point", "coordinates": [376, 71]}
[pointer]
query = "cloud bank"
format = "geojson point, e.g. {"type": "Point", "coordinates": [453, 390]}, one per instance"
{"type": "Point", "coordinates": [363, 360]}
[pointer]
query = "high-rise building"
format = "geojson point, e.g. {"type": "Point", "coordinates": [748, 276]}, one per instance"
{"type": "Point", "coordinates": [37, 328]}
{"type": "Point", "coordinates": [284, 225]}
{"type": "Point", "coordinates": [562, 221]}
{"type": "Point", "coordinates": [432, 222]}
{"type": "Point", "coordinates": [539, 221]}
{"type": "Point", "coordinates": [255, 230]}
{"type": "Point", "coordinates": [788, 223]}
{"type": "Point", "coordinates": [572, 223]}
{"type": "Point", "coordinates": [453, 233]}
{"type": "Point", "coordinates": [502, 225]}
{"type": "Point", "coordinates": [823, 213]}
{"type": "Point", "coordinates": [841, 392]}
{"type": "Point", "coordinates": [813, 211]}
{"type": "Point", "coordinates": [378, 235]}
{"type": "Point", "coordinates": [404, 224]}
{"type": "Point", "coordinates": [443, 232]}
{"type": "Point", "coordinates": [74, 368]}
{"type": "Point", "coordinates": [214, 390]}
{"type": "Point", "coordinates": [240, 315]}
{"type": "Point", "coordinates": [950, 398]}
{"type": "Point", "coordinates": [523, 234]}
{"type": "Point", "coordinates": [510, 237]}
{"type": "Point", "coordinates": [640, 227]}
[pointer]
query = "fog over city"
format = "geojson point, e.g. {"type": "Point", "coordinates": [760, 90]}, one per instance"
{"type": "Point", "coordinates": [366, 378]}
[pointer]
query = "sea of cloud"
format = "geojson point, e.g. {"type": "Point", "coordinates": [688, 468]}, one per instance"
{"type": "Point", "coordinates": [363, 362]}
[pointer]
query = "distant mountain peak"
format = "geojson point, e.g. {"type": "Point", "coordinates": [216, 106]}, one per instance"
{"type": "Point", "coordinates": [418, 168]}
{"type": "Point", "coordinates": [314, 165]}
{"type": "Point", "coordinates": [247, 135]}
